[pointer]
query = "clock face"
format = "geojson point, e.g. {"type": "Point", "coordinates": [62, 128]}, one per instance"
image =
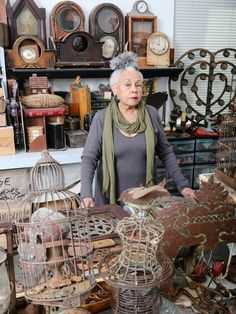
{"type": "Point", "coordinates": [108, 20]}
{"type": "Point", "coordinates": [80, 43]}
{"type": "Point", "coordinates": [141, 6]}
{"type": "Point", "coordinates": [68, 19]}
{"type": "Point", "coordinates": [159, 44]}
{"type": "Point", "coordinates": [28, 54]}
{"type": "Point", "coordinates": [110, 47]}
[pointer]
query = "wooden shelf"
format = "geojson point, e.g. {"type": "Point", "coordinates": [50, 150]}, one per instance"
{"type": "Point", "coordinates": [51, 73]}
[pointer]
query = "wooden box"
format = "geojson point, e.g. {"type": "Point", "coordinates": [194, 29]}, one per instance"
{"type": "Point", "coordinates": [75, 138]}
{"type": "Point", "coordinates": [7, 144]}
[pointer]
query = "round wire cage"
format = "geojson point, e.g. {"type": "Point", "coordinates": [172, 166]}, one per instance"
{"type": "Point", "coordinates": [138, 270]}
{"type": "Point", "coordinates": [5, 214]}
{"type": "Point", "coordinates": [57, 269]}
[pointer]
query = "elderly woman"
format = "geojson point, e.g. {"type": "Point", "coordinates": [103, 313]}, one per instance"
{"type": "Point", "coordinates": [123, 141]}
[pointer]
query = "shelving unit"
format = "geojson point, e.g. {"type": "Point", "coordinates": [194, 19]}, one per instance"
{"type": "Point", "coordinates": [195, 156]}
{"type": "Point", "coordinates": [61, 73]}
{"type": "Point", "coordinates": [71, 155]}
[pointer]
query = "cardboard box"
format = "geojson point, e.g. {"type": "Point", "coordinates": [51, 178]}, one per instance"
{"type": "Point", "coordinates": [3, 119]}
{"type": "Point", "coordinates": [7, 144]}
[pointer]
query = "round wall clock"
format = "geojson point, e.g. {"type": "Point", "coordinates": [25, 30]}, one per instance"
{"type": "Point", "coordinates": [141, 6]}
{"type": "Point", "coordinates": [66, 17]}
{"type": "Point", "coordinates": [106, 24]}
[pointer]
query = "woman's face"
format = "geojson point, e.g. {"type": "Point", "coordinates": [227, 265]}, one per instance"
{"type": "Point", "coordinates": [128, 88]}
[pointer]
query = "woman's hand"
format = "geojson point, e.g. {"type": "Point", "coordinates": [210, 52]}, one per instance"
{"type": "Point", "coordinates": [88, 202]}
{"type": "Point", "coordinates": [188, 193]}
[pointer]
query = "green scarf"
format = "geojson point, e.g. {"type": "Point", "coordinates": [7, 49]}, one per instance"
{"type": "Point", "coordinates": [143, 123]}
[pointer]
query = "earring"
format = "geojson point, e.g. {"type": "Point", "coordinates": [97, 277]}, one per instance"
{"type": "Point", "coordinates": [116, 98]}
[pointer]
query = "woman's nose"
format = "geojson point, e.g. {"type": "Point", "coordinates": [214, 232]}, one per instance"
{"type": "Point", "coordinates": [134, 89]}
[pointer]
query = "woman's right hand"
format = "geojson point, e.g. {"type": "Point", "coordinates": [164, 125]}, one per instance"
{"type": "Point", "coordinates": [88, 202]}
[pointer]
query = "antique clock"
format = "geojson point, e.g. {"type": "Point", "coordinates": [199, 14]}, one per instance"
{"type": "Point", "coordinates": [29, 52]}
{"type": "Point", "coordinates": [26, 19]}
{"type": "Point", "coordinates": [140, 23]}
{"type": "Point", "coordinates": [79, 49]}
{"type": "Point", "coordinates": [106, 24]}
{"type": "Point", "coordinates": [66, 17]}
{"type": "Point", "coordinates": [158, 49]}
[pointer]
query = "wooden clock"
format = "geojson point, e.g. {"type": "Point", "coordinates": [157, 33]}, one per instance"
{"type": "Point", "coordinates": [26, 19]}
{"type": "Point", "coordinates": [29, 52]}
{"type": "Point", "coordinates": [66, 17]}
{"type": "Point", "coordinates": [158, 49]}
{"type": "Point", "coordinates": [106, 24]}
{"type": "Point", "coordinates": [79, 49]}
{"type": "Point", "coordinates": [140, 23]}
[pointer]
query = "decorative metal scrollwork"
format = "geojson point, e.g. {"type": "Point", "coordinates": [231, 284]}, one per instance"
{"type": "Point", "coordinates": [97, 226]}
{"type": "Point", "coordinates": [206, 87]}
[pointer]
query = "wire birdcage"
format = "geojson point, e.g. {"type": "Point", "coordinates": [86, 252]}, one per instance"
{"type": "Point", "coordinates": [57, 269]}
{"type": "Point", "coordinates": [226, 153]}
{"type": "Point", "coordinates": [137, 272]}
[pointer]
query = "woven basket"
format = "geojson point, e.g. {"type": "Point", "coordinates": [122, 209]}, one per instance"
{"type": "Point", "coordinates": [42, 101]}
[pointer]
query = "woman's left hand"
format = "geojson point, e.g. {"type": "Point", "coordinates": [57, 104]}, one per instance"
{"type": "Point", "coordinates": [188, 193]}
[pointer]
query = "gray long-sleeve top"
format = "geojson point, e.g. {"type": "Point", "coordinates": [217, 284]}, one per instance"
{"type": "Point", "coordinates": [130, 158]}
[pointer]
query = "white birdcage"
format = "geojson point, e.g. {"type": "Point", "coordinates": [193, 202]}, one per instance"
{"type": "Point", "coordinates": [137, 272]}
{"type": "Point", "coordinates": [57, 268]}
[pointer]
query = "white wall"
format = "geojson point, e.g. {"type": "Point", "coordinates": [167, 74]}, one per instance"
{"type": "Point", "coordinates": [164, 10]}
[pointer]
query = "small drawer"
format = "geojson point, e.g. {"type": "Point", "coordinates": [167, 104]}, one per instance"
{"type": "Point", "coordinates": [183, 159]}
{"type": "Point", "coordinates": [205, 158]}
{"type": "Point", "coordinates": [199, 169]}
{"type": "Point", "coordinates": [206, 144]}
{"type": "Point", "coordinates": [183, 146]}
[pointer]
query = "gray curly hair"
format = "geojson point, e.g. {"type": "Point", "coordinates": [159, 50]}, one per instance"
{"type": "Point", "coordinates": [124, 61]}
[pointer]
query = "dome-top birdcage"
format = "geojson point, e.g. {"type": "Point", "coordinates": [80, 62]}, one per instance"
{"type": "Point", "coordinates": [226, 153]}
{"type": "Point", "coordinates": [57, 268]}
{"type": "Point", "coordinates": [137, 272]}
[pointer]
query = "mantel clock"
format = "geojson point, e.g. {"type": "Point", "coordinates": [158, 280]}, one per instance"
{"type": "Point", "coordinates": [66, 17]}
{"type": "Point", "coordinates": [140, 23]}
{"type": "Point", "coordinates": [29, 52]}
{"type": "Point", "coordinates": [79, 49]}
{"type": "Point", "coordinates": [106, 24]}
{"type": "Point", "coordinates": [158, 49]}
{"type": "Point", "coordinates": [26, 19]}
